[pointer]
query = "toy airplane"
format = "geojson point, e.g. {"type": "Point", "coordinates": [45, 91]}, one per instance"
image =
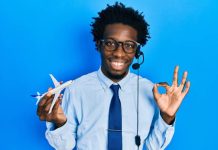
{"type": "Point", "coordinates": [57, 90]}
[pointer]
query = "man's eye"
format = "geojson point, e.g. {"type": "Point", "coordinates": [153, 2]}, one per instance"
{"type": "Point", "coordinates": [128, 45]}
{"type": "Point", "coordinates": [109, 43]}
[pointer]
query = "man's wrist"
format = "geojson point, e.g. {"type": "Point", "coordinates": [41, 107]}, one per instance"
{"type": "Point", "coordinates": [168, 119]}
{"type": "Point", "coordinates": [60, 124]}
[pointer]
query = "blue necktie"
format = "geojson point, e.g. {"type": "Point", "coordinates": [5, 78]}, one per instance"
{"type": "Point", "coordinates": [115, 121]}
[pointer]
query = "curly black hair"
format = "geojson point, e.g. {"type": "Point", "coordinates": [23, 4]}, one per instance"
{"type": "Point", "coordinates": [119, 13]}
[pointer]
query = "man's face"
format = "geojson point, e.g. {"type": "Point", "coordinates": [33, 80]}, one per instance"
{"type": "Point", "coordinates": [115, 64]}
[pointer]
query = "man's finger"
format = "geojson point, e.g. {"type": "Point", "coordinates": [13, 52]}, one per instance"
{"type": "Point", "coordinates": [48, 93]}
{"type": "Point", "coordinates": [42, 104]}
{"type": "Point", "coordinates": [165, 85]}
{"type": "Point", "coordinates": [175, 76]}
{"type": "Point", "coordinates": [61, 97]}
{"type": "Point", "coordinates": [57, 105]}
{"type": "Point", "coordinates": [47, 105]}
{"type": "Point", "coordinates": [49, 117]}
{"type": "Point", "coordinates": [42, 117]}
{"type": "Point", "coordinates": [184, 77]}
{"type": "Point", "coordinates": [155, 92]}
{"type": "Point", "coordinates": [187, 87]}
{"type": "Point", "coordinates": [43, 101]}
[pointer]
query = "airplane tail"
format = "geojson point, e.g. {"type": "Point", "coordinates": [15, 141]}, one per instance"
{"type": "Point", "coordinates": [37, 96]}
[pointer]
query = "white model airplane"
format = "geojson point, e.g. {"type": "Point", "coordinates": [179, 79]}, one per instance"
{"type": "Point", "coordinates": [57, 90]}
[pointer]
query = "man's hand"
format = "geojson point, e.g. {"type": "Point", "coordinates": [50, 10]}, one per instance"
{"type": "Point", "coordinates": [170, 101]}
{"type": "Point", "coordinates": [56, 116]}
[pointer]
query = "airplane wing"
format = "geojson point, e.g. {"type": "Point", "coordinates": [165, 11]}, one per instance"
{"type": "Point", "coordinates": [56, 83]}
{"type": "Point", "coordinates": [54, 100]}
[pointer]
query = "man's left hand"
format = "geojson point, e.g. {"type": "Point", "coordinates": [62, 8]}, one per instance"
{"type": "Point", "coordinates": [170, 101]}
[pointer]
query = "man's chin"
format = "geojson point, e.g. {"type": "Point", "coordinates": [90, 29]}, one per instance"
{"type": "Point", "coordinates": [116, 75]}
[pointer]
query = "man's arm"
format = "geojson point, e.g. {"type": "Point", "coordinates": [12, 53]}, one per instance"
{"type": "Point", "coordinates": [168, 104]}
{"type": "Point", "coordinates": [160, 134]}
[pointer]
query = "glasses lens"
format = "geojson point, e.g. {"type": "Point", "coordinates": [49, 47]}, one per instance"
{"type": "Point", "coordinates": [110, 44]}
{"type": "Point", "coordinates": [130, 46]}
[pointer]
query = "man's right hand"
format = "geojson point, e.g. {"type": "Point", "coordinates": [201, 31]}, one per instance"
{"type": "Point", "coordinates": [56, 116]}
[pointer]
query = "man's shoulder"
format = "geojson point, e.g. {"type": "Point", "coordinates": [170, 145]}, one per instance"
{"type": "Point", "coordinates": [143, 80]}
{"type": "Point", "coordinates": [87, 79]}
{"type": "Point", "coordinates": [145, 85]}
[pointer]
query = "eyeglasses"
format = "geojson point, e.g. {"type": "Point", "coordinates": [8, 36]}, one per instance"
{"type": "Point", "coordinates": [112, 45]}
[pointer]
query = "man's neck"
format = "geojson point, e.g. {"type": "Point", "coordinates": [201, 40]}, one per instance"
{"type": "Point", "coordinates": [114, 78]}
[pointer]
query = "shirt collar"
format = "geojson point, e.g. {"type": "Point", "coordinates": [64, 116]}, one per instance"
{"type": "Point", "coordinates": [106, 82]}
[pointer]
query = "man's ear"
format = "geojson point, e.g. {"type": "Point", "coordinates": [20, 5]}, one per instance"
{"type": "Point", "coordinates": [98, 45]}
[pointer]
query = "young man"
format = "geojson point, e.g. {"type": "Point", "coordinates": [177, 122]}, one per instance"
{"type": "Point", "coordinates": [99, 110]}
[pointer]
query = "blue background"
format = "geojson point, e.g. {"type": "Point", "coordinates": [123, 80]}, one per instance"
{"type": "Point", "coordinates": [39, 37]}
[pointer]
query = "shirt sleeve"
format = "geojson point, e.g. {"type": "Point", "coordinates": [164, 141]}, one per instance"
{"type": "Point", "coordinates": [159, 136]}
{"type": "Point", "coordinates": [64, 138]}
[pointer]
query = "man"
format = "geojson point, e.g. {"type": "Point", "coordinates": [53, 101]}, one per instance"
{"type": "Point", "coordinates": [99, 110]}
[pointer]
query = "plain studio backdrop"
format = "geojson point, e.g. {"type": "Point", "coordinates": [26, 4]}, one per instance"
{"type": "Point", "coordinates": [38, 37]}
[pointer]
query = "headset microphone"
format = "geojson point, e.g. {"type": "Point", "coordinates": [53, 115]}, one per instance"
{"type": "Point", "coordinates": [136, 66]}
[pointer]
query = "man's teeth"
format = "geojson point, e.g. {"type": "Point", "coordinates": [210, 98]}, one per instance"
{"type": "Point", "coordinates": [118, 63]}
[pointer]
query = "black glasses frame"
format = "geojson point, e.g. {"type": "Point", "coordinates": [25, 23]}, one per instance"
{"type": "Point", "coordinates": [118, 43]}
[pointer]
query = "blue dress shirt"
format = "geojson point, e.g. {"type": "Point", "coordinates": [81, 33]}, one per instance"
{"type": "Point", "coordinates": [86, 104]}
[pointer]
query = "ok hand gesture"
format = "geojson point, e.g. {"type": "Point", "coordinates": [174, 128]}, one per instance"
{"type": "Point", "coordinates": [170, 101]}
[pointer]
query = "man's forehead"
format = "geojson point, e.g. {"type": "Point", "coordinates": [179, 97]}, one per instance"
{"type": "Point", "coordinates": [120, 31]}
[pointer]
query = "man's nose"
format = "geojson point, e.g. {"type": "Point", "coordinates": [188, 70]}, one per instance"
{"type": "Point", "coordinates": [119, 51]}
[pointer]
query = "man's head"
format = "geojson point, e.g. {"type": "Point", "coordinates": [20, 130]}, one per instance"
{"type": "Point", "coordinates": [118, 31]}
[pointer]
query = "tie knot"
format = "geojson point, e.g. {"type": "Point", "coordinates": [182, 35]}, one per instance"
{"type": "Point", "coordinates": [115, 88]}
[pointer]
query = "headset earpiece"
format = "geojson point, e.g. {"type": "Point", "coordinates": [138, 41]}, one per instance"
{"type": "Point", "coordinates": [138, 53]}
